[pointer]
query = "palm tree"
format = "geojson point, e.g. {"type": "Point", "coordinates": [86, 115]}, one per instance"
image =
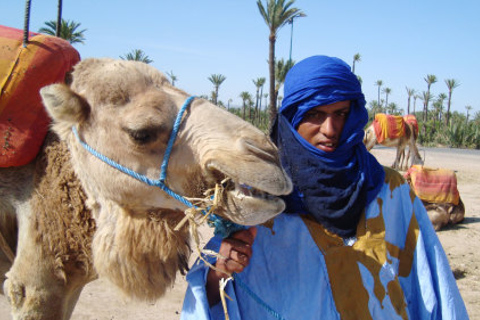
{"type": "Point", "coordinates": [216, 80]}
{"type": "Point", "coordinates": [410, 92]}
{"type": "Point", "coordinates": [387, 91]}
{"type": "Point", "coordinates": [291, 33]}
{"type": "Point", "coordinates": [137, 55]}
{"type": "Point", "coordinates": [276, 14]}
{"type": "Point", "coordinates": [68, 30]}
{"type": "Point", "coordinates": [172, 77]}
{"type": "Point", "coordinates": [356, 58]}
{"type": "Point", "coordinates": [392, 108]}
{"type": "Point", "coordinates": [440, 99]}
{"type": "Point", "coordinates": [426, 98]}
{"type": "Point", "coordinates": [379, 83]}
{"type": "Point", "coordinates": [281, 70]}
{"type": "Point", "coordinates": [246, 97]}
{"type": "Point", "coordinates": [415, 97]}
{"type": "Point", "coordinates": [468, 113]}
{"type": "Point", "coordinates": [451, 84]}
{"type": "Point", "coordinates": [260, 102]}
{"type": "Point", "coordinates": [259, 82]}
{"type": "Point", "coordinates": [430, 79]}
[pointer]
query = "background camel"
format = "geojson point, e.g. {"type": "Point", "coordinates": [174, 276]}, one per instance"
{"type": "Point", "coordinates": [437, 188]}
{"type": "Point", "coordinates": [68, 206]}
{"type": "Point", "coordinates": [398, 132]}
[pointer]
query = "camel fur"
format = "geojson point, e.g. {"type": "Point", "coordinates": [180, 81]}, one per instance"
{"type": "Point", "coordinates": [70, 217]}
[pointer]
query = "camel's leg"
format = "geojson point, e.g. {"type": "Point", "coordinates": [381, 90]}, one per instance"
{"type": "Point", "coordinates": [407, 158]}
{"type": "Point", "coordinates": [437, 214]}
{"type": "Point", "coordinates": [412, 144]}
{"type": "Point", "coordinates": [38, 285]}
{"type": "Point", "coordinates": [457, 213]}
{"type": "Point", "coordinates": [31, 287]}
{"type": "Point", "coordinates": [400, 148]}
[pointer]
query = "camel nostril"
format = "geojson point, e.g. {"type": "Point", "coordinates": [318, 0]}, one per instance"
{"type": "Point", "coordinates": [263, 152]}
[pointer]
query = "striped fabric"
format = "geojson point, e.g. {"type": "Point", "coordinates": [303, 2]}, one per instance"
{"type": "Point", "coordinates": [412, 120]}
{"type": "Point", "coordinates": [434, 185]}
{"type": "Point", "coordinates": [23, 72]}
{"type": "Point", "coordinates": [388, 127]}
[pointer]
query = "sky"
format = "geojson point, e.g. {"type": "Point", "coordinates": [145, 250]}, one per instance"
{"type": "Point", "coordinates": [400, 42]}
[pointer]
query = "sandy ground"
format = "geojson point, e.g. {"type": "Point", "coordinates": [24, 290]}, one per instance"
{"type": "Point", "coordinates": [100, 301]}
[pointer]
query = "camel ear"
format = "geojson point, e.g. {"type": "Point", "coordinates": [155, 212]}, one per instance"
{"type": "Point", "coordinates": [64, 105]}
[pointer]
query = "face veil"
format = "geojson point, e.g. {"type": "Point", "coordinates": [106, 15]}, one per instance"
{"type": "Point", "coordinates": [335, 186]}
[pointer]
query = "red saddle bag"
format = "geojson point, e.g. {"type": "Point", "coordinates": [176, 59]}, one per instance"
{"type": "Point", "coordinates": [24, 71]}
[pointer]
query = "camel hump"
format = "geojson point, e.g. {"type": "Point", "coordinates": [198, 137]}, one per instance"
{"type": "Point", "coordinates": [24, 121]}
{"type": "Point", "coordinates": [388, 126]}
{"type": "Point", "coordinates": [434, 185]}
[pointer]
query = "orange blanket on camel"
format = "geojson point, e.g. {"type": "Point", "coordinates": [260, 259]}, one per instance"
{"type": "Point", "coordinates": [23, 72]}
{"type": "Point", "coordinates": [434, 185]}
{"type": "Point", "coordinates": [388, 126]}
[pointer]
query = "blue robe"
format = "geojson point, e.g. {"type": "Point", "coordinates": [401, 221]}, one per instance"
{"type": "Point", "coordinates": [395, 268]}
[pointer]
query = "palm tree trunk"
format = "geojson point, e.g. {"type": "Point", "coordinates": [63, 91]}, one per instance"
{"type": "Point", "coordinates": [26, 25]}
{"type": "Point", "coordinates": [271, 68]}
{"type": "Point", "coordinates": [447, 118]}
{"type": "Point", "coordinates": [260, 105]}
{"type": "Point", "coordinates": [59, 18]}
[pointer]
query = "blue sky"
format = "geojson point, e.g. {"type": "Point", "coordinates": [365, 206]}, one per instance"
{"type": "Point", "coordinates": [400, 42]}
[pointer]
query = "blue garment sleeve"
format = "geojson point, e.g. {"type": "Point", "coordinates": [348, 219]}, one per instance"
{"type": "Point", "coordinates": [195, 304]}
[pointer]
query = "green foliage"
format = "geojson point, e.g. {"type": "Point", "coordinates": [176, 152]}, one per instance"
{"type": "Point", "coordinates": [137, 55]}
{"type": "Point", "coordinates": [68, 30]}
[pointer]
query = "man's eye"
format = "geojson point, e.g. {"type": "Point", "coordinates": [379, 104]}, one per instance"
{"type": "Point", "coordinates": [311, 115]}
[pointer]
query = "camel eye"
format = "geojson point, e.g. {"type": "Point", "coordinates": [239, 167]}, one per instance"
{"type": "Point", "coordinates": [143, 136]}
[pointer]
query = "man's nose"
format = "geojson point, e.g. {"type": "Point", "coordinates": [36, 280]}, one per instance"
{"type": "Point", "coordinates": [328, 127]}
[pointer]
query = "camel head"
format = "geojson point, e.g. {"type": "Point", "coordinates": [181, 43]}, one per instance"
{"type": "Point", "coordinates": [125, 111]}
{"type": "Point", "coordinates": [370, 138]}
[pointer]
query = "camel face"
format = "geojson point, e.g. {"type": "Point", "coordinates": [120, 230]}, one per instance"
{"type": "Point", "coordinates": [126, 110]}
{"type": "Point", "coordinates": [370, 139]}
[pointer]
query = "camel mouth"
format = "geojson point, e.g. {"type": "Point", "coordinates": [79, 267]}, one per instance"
{"type": "Point", "coordinates": [238, 189]}
{"type": "Point", "coordinates": [245, 204]}
{"type": "Point", "coordinates": [242, 190]}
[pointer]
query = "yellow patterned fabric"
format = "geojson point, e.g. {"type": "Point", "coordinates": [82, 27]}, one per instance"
{"type": "Point", "coordinates": [388, 127]}
{"type": "Point", "coordinates": [434, 185]}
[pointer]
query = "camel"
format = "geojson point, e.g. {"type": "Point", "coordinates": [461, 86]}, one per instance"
{"type": "Point", "coordinates": [91, 204]}
{"type": "Point", "coordinates": [406, 136]}
{"type": "Point", "coordinates": [437, 188]}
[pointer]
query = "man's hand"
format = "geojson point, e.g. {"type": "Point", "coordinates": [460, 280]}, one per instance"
{"type": "Point", "coordinates": [234, 256]}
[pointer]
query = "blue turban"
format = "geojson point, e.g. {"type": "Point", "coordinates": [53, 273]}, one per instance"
{"type": "Point", "coordinates": [335, 186]}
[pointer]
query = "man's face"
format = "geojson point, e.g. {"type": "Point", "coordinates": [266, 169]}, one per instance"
{"type": "Point", "coordinates": [322, 126]}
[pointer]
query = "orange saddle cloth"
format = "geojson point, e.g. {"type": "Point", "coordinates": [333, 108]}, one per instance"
{"type": "Point", "coordinates": [412, 120]}
{"type": "Point", "coordinates": [434, 185]}
{"type": "Point", "coordinates": [23, 72]}
{"type": "Point", "coordinates": [388, 126]}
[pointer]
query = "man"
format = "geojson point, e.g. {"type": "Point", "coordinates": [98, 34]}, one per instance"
{"type": "Point", "coordinates": [353, 243]}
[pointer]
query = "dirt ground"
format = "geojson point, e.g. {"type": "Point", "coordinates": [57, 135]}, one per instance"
{"type": "Point", "coordinates": [100, 301]}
